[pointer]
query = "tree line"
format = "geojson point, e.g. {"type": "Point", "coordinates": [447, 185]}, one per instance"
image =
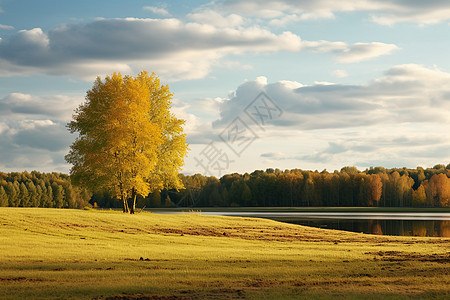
{"type": "Point", "coordinates": [374, 187]}
{"type": "Point", "coordinates": [348, 187]}
{"type": "Point", "coordinates": [37, 189]}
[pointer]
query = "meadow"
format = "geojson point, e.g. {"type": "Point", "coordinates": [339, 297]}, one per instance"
{"type": "Point", "coordinates": [89, 254]}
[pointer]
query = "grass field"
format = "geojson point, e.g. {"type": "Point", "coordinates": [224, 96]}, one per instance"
{"type": "Point", "coordinates": [50, 253]}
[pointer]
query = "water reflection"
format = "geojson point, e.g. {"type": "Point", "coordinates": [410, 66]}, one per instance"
{"type": "Point", "coordinates": [435, 224]}
{"type": "Point", "coordinates": [436, 228]}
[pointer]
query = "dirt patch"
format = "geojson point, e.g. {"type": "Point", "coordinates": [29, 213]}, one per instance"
{"type": "Point", "coordinates": [222, 293]}
{"type": "Point", "coordinates": [248, 233]}
{"type": "Point", "coordinates": [358, 275]}
{"type": "Point", "coordinates": [258, 283]}
{"type": "Point", "coordinates": [393, 256]}
{"type": "Point", "coordinates": [143, 297]}
{"type": "Point", "coordinates": [17, 279]}
{"type": "Point", "coordinates": [203, 231]}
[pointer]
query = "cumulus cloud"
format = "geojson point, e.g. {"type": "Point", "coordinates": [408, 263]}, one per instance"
{"type": "Point", "coordinates": [406, 93]}
{"type": "Point", "coordinates": [18, 157]}
{"type": "Point", "coordinates": [340, 73]}
{"type": "Point", "coordinates": [32, 124]}
{"type": "Point", "coordinates": [382, 12]}
{"type": "Point", "coordinates": [168, 46]}
{"type": "Point", "coordinates": [33, 133]}
{"type": "Point", "coordinates": [3, 127]}
{"type": "Point", "coordinates": [387, 146]}
{"type": "Point", "coordinates": [157, 10]}
{"type": "Point", "coordinates": [45, 135]}
{"type": "Point", "coordinates": [345, 53]}
{"type": "Point", "coordinates": [26, 47]}
{"type": "Point", "coordinates": [39, 148]}
{"type": "Point", "coordinates": [23, 106]}
{"type": "Point", "coordinates": [7, 27]}
{"type": "Point", "coordinates": [363, 51]}
{"type": "Point", "coordinates": [274, 155]}
{"type": "Point", "coordinates": [214, 18]}
{"type": "Point", "coordinates": [174, 49]}
{"type": "Point", "coordinates": [199, 114]}
{"type": "Point", "coordinates": [304, 16]}
{"type": "Point", "coordinates": [325, 46]}
{"type": "Point", "coordinates": [399, 119]}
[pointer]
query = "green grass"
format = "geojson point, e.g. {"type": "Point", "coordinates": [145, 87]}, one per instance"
{"type": "Point", "coordinates": [50, 253]}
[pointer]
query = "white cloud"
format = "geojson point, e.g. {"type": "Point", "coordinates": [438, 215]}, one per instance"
{"type": "Point", "coordinates": [387, 146]}
{"type": "Point", "coordinates": [382, 12]}
{"type": "Point", "coordinates": [419, 14]}
{"type": "Point", "coordinates": [213, 18]}
{"type": "Point", "coordinates": [32, 124]}
{"type": "Point", "coordinates": [8, 27]}
{"type": "Point", "coordinates": [24, 106]}
{"type": "Point", "coordinates": [44, 135]}
{"type": "Point", "coordinates": [34, 36]}
{"type": "Point", "coordinates": [291, 18]}
{"type": "Point", "coordinates": [339, 73]}
{"type": "Point", "coordinates": [274, 155]}
{"type": "Point", "coordinates": [363, 51]}
{"type": "Point", "coordinates": [345, 53]}
{"type": "Point", "coordinates": [157, 10]}
{"type": "Point", "coordinates": [33, 133]}
{"type": "Point", "coordinates": [173, 49]}
{"type": "Point", "coordinates": [325, 46]}
{"type": "Point", "coordinates": [406, 93]}
{"type": "Point", "coordinates": [3, 127]}
{"type": "Point", "coordinates": [284, 20]}
{"type": "Point", "coordinates": [34, 145]}
{"type": "Point", "coordinates": [400, 118]}
{"type": "Point", "coordinates": [199, 114]}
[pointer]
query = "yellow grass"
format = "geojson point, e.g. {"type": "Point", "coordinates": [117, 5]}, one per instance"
{"type": "Point", "coordinates": [50, 253]}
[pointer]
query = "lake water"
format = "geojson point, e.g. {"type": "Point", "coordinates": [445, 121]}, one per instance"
{"type": "Point", "coordinates": [404, 224]}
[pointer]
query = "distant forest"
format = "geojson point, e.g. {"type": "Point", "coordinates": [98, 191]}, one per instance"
{"type": "Point", "coordinates": [374, 187]}
{"type": "Point", "coordinates": [37, 189]}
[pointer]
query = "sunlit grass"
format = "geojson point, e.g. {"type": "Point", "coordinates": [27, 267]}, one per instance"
{"type": "Point", "coordinates": [49, 253]}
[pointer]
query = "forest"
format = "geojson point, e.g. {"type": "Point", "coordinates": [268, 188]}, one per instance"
{"type": "Point", "coordinates": [349, 187]}
{"type": "Point", "coordinates": [37, 189]}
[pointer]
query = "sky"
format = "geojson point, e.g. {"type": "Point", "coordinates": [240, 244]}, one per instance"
{"type": "Point", "coordinates": [261, 84]}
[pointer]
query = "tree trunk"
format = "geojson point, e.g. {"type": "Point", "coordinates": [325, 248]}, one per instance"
{"type": "Point", "coordinates": [125, 204]}
{"type": "Point", "coordinates": [124, 199]}
{"type": "Point", "coordinates": [133, 199]}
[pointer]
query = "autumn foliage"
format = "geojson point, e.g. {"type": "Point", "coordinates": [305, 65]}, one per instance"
{"type": "Point", "coordinates": [129, 143]}
{"type": "Point", "coordinates": [374, 187]}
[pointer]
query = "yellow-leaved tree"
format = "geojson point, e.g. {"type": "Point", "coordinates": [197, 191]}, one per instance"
{"type": "Point", "coordinates": [129, 142]}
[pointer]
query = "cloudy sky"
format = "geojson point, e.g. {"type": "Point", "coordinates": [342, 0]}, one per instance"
{"type": "Point", "coordinates": [261, 84]}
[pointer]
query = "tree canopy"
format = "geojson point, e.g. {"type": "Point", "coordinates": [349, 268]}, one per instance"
{"type": "Point", "coordinates": [129, 142]}
{"type": "Point", "coordinates": [374, 187]}
{"type": "Point", "coordinates": [37, 189]}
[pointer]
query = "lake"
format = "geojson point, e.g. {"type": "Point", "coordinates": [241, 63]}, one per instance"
{"type": "Point", "coordinates": [384, 223]}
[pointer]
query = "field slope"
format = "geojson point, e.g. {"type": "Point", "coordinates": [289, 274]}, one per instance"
{"type": "Point", "coordinates": [50, 253]}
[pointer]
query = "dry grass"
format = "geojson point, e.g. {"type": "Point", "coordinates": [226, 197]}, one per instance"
{"type": "Point", "coordinates": [49, 253]}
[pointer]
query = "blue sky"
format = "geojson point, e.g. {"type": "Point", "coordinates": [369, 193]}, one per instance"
{"type": "Point", "coordinates": [261, 84]}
